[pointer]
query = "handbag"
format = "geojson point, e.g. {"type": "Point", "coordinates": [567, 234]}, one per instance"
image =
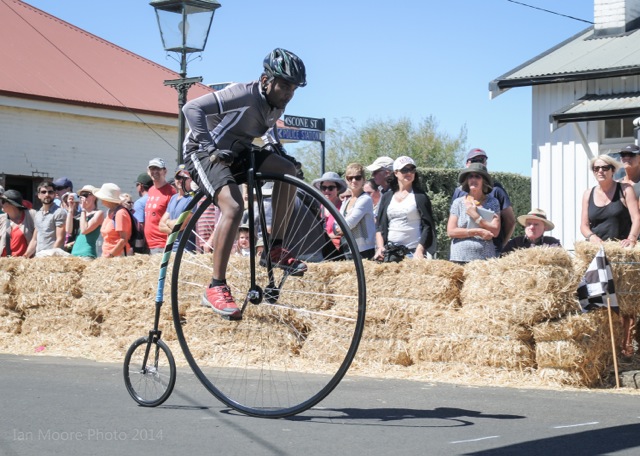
{"type": "Point", "coordinates": [395, 253]}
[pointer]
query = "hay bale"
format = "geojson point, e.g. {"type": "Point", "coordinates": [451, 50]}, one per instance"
{"type": "Point", "coordinates": [579, 344]}
{"type": "Point", "coordinates": [49, 275]}
{"type": "Point", "coordinates": [388, 332]}
{"type": "Point", "coordinates": [474, 351]}
{"type": "Point", "coordinates": [565, 377]}
{"type": "Point", "coordinates": [435, 281]}
{"type": "Point", "coordinates": [217, 342]}
{"type": "Point", "coordinates": [472, 321]}
{"type": "Point", "coordinates": [137, 274]}
{"type": "Point", "coordinates": [525, 287]}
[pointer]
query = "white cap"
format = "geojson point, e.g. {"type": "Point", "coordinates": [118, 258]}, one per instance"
{"type": "Point", "coordinates": [380, 163]}
{"type": "Point", "coordinates": [403, 161]}
{"type": "Point", "coordinates": [157, 162]}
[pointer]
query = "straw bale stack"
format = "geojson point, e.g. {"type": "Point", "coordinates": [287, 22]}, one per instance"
{"type": "Point", "coordinates": [526, 287]}
{"type": "Point", "coordinates": [401, 299]}
{"type": "Point", "coordinates": [468, 336]}
{"type": "Point", "coordinates": [625, 266]}
{"type": "Point", "coordinates": [436, 281]}
{"type": "Point", "coordinates": [576, 350]}
{"type": "Point", "coordinates": [422, 317]}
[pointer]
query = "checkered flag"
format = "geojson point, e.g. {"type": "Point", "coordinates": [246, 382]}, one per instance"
{"type": "Point", "coordinates": [597, 283]}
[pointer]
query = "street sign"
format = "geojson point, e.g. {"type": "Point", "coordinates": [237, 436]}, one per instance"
{"type": "Point", "coordinates": [304, 122]}
{"type": "Point", "coordinates": [301, 135]}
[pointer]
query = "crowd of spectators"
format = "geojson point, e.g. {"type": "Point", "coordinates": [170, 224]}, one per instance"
{"type": "Point", "coordinates": [384, 205]}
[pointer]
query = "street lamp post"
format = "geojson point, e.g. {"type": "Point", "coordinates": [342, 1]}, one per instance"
{"type": "Point", "coordinates": [184, 27]}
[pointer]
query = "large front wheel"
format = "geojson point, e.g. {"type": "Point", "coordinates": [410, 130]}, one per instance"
{"type": "Point", "coordinates": [298, 334]}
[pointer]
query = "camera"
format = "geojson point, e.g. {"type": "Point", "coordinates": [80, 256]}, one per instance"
{"type": "Point", "coordinates": [76, 198]}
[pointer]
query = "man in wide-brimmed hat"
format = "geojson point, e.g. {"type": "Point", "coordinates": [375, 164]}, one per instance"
{"type": "Point", "coordinates": [535, 224]}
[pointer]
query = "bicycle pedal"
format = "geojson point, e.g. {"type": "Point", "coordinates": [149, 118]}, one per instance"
{"type": "Point", "coordinates": [232, 317]}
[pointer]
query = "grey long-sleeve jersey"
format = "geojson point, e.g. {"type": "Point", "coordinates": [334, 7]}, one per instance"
{"type": "Point", "coordinates": [239, 112]}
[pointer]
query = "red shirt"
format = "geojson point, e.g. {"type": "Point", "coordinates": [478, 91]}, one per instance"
{"type": "Point", "coordinates": [19, 243]}
{"type": "Point", "coordinates": [156, 206]}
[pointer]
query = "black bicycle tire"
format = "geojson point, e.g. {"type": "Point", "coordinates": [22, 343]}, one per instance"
{"type": "Point", "coordinates": [336, 376]}
{"type": "Point", "coordinates": [134, 392]}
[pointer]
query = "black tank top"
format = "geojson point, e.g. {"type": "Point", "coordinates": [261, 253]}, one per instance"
{"type": "Point", "coordinates": [611, 221]}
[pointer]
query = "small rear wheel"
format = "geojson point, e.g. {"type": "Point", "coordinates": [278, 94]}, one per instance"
{"type": "Point", "coordinates": [149, 383]}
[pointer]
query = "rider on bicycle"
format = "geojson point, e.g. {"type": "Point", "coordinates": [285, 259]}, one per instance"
{"type": "Point", "coordinates": [223, 126]}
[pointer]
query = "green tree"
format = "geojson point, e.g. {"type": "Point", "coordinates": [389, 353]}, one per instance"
{"type": "Point", "coordinates": [347, 142]}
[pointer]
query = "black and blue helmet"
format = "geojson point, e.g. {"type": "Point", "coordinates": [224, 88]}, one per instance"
{"type": "Point", "coordinates": [284, 64]}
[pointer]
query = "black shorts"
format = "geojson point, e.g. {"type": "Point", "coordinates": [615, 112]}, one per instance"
{"type": "Point", "coordinates": [211, 177]}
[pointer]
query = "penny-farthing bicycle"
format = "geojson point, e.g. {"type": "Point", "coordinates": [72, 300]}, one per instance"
{"type": "Point", "coordinates": [298, 334]}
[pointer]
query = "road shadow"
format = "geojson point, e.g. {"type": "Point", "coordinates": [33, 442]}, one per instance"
{"type": "Point", "coordinates": [379, 416]}
{"type": "Point", "coordinates": [587, 443]}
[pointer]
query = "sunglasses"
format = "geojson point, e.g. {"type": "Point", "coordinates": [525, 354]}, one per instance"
{"type": "Point", "coordinates": [408, 170]}
{"type": "Point", "coordinates": [84, 195]}
{"type": "Point", "coordinates": [477, 160]}
{"type": "Point", "coordinates": [627, 155]}
{"type": "Point", "coordinates": [602, 168]}
{"type": "Point", "coordinates": [47, 192]}
{"type": "Point", "coordinates": [474, 176]}
{"type": "Point", "coordinates": [350, 178]}
{"type": "Point", "coordinates": [328, 188]}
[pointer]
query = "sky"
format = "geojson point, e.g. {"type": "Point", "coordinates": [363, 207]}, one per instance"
{"type": "Point", "coordinates": [370, 60]}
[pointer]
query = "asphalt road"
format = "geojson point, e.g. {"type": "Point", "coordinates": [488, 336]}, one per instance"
{"type": "Point", "coordinates": [73, 407]}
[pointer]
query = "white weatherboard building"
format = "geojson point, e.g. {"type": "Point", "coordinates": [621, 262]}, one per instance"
{"type": "Point", "coordinates": [585, 96]}
{"type": "Point", "coordinates": [75, 105]}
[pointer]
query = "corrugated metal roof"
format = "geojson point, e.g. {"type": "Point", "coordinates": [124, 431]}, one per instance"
{"type": "Point", "coordinates": [597, 107]}
{"type": "Point", "coordinates": [581, 57]}
{"type": "Point", "coordinates": [44, 57]}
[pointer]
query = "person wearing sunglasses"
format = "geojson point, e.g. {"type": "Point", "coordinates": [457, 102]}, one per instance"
{"type": "Point", "coordinates": [630, 158]}
{"type": "Point", "coordinates": [177, 204]}
{"type": "Point", "coordinates": [371, 189]}
{"type": "Point", "coordinates": [380, 171]}
{"type": "Point", "coordinates": [405, 215]}
{"type": "Point", "coordinates": [331, 186]}
{"type": "Point", "coordinates": [507, 216]}
{"type": "Point", "coordinates": [357, 210]}
{"type": "Point", "coordinates": [609, 209]}
{"type": "Point", "coordinates": [49, 222]}
{"type": "Point", "coordinates": [610, 212]}
{"type": "Point", "coordinates": [88, 219]}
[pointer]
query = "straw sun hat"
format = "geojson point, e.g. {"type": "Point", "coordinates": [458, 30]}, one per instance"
{"type": "Point", "coordinates": [537, 214]}
{"type": "Point", "coordinates": [108, 192]}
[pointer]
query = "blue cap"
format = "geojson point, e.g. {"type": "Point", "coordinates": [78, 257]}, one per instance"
{"type": "Point", "coordinates": [62, 182]}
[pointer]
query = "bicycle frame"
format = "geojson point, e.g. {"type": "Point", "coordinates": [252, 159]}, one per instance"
{"type": "Point", "coordinates": [156, 333]}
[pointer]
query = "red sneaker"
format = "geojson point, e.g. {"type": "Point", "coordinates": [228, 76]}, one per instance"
{"type": "Point", "coordinates": [221, 301]}
{"type": "Point", "coordinates": [282, 258]}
